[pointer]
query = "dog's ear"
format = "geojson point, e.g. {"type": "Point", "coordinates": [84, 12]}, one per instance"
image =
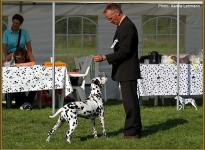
{"type": "Point", "coordinates": [97, 82]}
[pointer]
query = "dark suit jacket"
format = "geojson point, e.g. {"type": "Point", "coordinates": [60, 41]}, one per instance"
{"type": "Point", "coordinates": [124, 60]}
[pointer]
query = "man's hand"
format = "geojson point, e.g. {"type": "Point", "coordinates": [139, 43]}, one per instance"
{"type": "Point", "coordinates": [99, 58]}
{"type": "Point", "coordinates": [7, 57]}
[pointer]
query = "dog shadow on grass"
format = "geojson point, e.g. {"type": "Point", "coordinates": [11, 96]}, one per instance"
{"type": "Point", "coordinates": [109, 134]}
{"type": "Point", "coordinates": [147, 130]}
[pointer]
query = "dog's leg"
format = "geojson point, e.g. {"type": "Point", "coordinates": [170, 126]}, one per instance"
{"type": "Point", "coordinates": [194, 104]}
{"type": "Point", "coordinates": [103, 124]}
{"type": "Point", "coordinates": [94, 129]}
{"type": "Point", "coordinates": [56, 126]}
{"type": "Point", "coordinates": [182, 103]}
{"type": "Point", "coordinates": [180, 107]}
{"type": "Point", "coordinates": [73, 122]}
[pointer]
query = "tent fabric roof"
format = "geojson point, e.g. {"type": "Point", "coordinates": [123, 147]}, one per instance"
{"type": "Point", "coordinates": [97, 9]}
{"type": "Point", "coordinates": [106, 1]}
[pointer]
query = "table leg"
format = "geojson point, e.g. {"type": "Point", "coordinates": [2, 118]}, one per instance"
{"type": "Point", "coordinates": [8, 99]}
{"type": "Point", "coordinates": [156, 101]}
{"type": "Point", "coordinates": [60, 97]}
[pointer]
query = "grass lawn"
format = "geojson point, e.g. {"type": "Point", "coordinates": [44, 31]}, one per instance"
{"type": "Point", "coordinates": [163, 128]}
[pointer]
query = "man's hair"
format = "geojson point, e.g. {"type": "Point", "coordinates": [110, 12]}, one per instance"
{"type": "Point", "coordinates": [18, 17]}
{"type": "Point", "coordinates": [114, 7]}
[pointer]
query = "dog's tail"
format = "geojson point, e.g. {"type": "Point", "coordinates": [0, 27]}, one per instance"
{"type": "Point", "coordinates": [54, 115]}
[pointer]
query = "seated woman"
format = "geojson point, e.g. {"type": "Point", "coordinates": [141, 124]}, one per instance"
{"type": "Point", "coordinates": [22, 100]}
{"type": "Point", "coordinates": [22, 59]}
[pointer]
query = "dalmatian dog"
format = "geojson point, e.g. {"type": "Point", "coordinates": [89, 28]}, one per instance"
{"type": "Point", "coordinates": [184, 101]}
{"type": "Point", "coordinates": [91, 108]}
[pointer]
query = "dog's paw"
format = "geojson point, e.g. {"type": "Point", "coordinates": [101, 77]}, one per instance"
{"type": "Point", "coordinates": [68, 140]}
{"type": "Point", "coordinates": [104, 134]}
{"type": "Point", "coordinates": [95, 135]}
{"type": "Point", "coordinates": [47, 140]}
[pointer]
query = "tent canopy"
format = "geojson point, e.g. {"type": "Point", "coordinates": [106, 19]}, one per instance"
{"type": "Point", "coordinates": [38, 21]}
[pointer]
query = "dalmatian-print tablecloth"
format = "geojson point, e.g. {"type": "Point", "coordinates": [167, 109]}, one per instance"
{"type": "Point", "coordinates": [161, 79]}
{"type": "Point", "coordinates": [35, 78]}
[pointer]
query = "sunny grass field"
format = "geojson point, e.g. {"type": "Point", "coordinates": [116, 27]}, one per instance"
{"type": "Point", "coordinates": [163, 128]}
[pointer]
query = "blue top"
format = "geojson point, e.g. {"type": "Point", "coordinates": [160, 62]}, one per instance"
{"type": "Point", "coordinates": [10, 38]}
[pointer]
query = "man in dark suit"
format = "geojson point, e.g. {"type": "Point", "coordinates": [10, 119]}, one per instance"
{"type": "Point", "coordinates": [125, 66]}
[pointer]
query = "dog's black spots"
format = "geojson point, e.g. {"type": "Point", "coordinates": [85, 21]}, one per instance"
{"type": "Point", "coordinates": [69, 119]}
{"type": "Point", "coordinates": [98, 96]}
{"type": "Point", "coordinates": [62, 119]}
{"type": "Point", "coordinates": [96, 82]}
{"type": "Point", "coordinates": [73, 123]}
{"type": "Point", "coordinates": [68, 105]}
{"type": "Point", "coordinates": [95, 100]}
{"type": "Point", "coordinates": [84, 113]}
{"type": "Point", "coordinates": [98, 109]}
{"type": "Point", "coordinates": [71, 106]}
{"type": "Point", "coordinates": [66, 113]}
{"type": "Point", "coordinates": [50, 132]}
{"type": "Point", "coordinates": [82, 107]}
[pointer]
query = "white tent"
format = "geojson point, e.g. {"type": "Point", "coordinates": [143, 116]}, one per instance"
{"type": "Point", "coordinates": [40, 15]}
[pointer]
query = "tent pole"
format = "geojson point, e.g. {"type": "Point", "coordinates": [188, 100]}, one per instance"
{"type": "Point", "coordinates": [178, 65]}
{"type": "Point", "coordinates": [53, 56]}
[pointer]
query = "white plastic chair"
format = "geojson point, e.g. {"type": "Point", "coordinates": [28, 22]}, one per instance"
{"type": "Point", "coordinates": [83, 73]}
{"type": "Point", "coordinates": [96, 72]}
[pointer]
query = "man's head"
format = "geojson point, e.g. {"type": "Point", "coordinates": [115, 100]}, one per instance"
{"type": "Point", "coordinates": [20, 55]}
{"type": "Point", "coordinates": [17, 21]}
{"type": "Point", "coordinates": [113, 13]}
